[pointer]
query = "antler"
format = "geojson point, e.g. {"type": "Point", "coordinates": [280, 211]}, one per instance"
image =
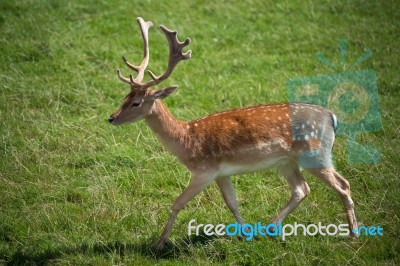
{"type": "Point", "coordinates": [144, 28]}
{"type": "Point", "coordinates": [175, 56]}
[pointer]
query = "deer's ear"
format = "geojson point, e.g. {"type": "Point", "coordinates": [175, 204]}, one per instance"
{"type": "Point", "coordinates": [161, 94]}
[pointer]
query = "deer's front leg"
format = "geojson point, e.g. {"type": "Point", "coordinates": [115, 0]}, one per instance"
{"type": "Point", "coordinates": [199, 182]}
{"type": "Point", "coordinates": [229, 195]}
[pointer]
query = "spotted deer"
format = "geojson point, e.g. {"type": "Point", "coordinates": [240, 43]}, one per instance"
{"type": "Point", "coordinates": [213, 148]}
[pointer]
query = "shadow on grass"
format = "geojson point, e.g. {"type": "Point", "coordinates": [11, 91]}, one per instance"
{"type": "Point", "coordinates": [146, 249]}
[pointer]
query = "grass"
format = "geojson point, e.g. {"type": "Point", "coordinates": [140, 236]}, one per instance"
{"type": "Point", "coordinates": [76, 190]}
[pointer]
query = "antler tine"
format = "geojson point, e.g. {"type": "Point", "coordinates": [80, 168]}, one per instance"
{"type": "Point", "coordinates": [175, 56]}
{"type": "Point", "coordinates": [144, 28]}
{"type": "Point", "coordinates": [122, 78]}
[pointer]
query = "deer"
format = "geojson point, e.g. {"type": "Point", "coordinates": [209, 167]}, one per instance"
{"type": "Point", "coordinates": [289, 136]}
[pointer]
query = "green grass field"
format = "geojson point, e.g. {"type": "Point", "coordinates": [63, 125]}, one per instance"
{"type": "Point", "coordinates": [76, 190]}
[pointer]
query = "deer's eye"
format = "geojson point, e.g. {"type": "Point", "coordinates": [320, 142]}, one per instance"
{"type": "Point", "coordinates": [135, 104]}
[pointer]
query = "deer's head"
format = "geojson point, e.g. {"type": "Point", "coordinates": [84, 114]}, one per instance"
{"type": "Point", "coordinates": [139, 102]}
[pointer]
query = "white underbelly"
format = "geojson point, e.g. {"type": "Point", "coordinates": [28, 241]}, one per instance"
{"type": "Point", "coordinates": [228, 169]}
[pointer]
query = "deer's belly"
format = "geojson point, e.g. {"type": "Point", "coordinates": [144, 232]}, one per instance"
{"type": "Point", "coordinates": [230, 168]}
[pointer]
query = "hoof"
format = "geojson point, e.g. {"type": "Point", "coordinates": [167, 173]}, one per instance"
{"type": "Point", "coordinates": [353, 235]}
{"type": "Point", "coordinates": [159, 245]}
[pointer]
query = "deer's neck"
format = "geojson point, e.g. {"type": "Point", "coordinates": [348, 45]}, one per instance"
{"type": "Point", "coordinates": [171, 131]}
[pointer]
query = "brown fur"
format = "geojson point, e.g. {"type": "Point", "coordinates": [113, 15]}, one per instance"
{"type": "Point", "coordinates": [224, 136]}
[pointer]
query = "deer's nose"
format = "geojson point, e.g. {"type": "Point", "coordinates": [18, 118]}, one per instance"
{"type": "Point", "coordinates": [111, 118]}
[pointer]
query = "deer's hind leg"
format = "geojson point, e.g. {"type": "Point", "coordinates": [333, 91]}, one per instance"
{"type": "Point", "coordinates": [342, 187]}
{"type": "Point", "coordinates": [298, 186]}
